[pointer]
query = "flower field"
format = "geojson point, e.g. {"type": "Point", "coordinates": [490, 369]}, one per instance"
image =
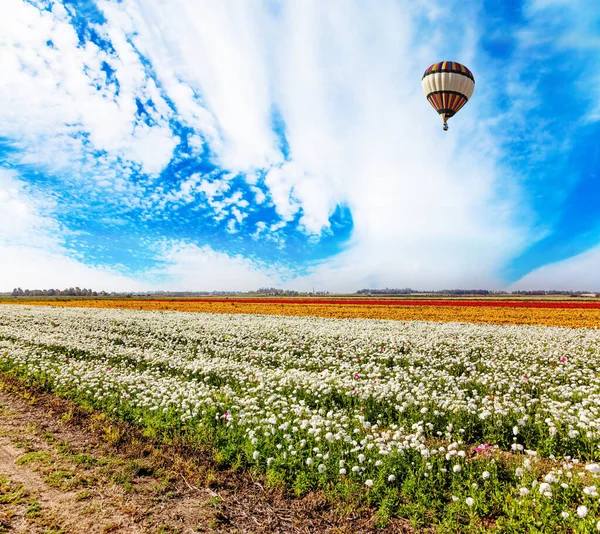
{"type": "Point", "coordinates": [468, 427]}
{"type": "Point", "coordinates": [582, 314]}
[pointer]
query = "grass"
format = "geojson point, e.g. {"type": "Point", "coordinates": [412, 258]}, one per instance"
{"type": "Point", "coordinates": [10, 492]}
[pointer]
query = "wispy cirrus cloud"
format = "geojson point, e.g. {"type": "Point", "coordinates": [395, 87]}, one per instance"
{"type": "Point", "coordinates": [552, 136]}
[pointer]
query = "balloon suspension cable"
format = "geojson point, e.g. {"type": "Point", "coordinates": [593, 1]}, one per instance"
{"type": "Point", "coordinates": [445, 127]}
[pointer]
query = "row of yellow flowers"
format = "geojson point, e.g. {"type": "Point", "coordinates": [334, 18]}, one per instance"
{"type": "Point", "coordinates": [589, 318]}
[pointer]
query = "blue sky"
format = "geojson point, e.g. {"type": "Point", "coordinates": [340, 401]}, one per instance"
{"type": "Point", "coordinates": [231, 145]}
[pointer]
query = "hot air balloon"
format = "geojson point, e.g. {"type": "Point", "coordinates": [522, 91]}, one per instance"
{"type": "Point", "coordinates": [448, 85]}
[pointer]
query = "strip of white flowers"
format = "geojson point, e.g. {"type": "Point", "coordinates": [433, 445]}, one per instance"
{"type": "Point", "coordinates": [375, 401]}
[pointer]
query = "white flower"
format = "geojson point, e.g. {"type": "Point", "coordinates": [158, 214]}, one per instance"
{"type": "Point", "coordinates": [391, 478]}
{"type": "Point", "coordinates": [342, 471]}
{"type": "Point", "coordinates": [454, 498]}
{"type": "Point", "coordinates": [582, 511]}
{"type": "Point", "coordinates": [545, 488]}
{"type": "Point", "coordinates": [361, 458]}
{"type": "Point", "coordinates": [255, 455]}
{"type": "Point", "coordinates": [485, 474]}
{"type": "Point", "coordinates": [593, 468]}
{"type": "Point", "coordinates": [470, 501]}
{"type": "Point", "coordinates": [564, 515]}
{"type": "Point", "coordinates": [524, 491]}
{"type": "Point", "coordinates": [309, 461]}
{"type": "Point", "coordinates": [519, 472]}
{"type": "Point", "coordinates": [457, 468]}
{"type": "Point", "coordinates": [515, 430]}
{"type": "Point", "coordinates": [322, 468]}
{"type": "Point", "coordinates": [368, 483]}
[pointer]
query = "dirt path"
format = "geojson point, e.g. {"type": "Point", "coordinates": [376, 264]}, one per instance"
{"type": "Point", "coordinates": [67, 470]}
{"type": "Point", "coordinates": [63, 508]}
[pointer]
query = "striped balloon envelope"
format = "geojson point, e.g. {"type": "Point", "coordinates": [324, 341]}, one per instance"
{"type": "Point", "coordinates": [448, 85]}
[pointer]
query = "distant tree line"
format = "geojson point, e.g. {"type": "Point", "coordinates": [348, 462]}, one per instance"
{"type": "Point", "coordinates": [474, 292]}
{"type": "Point", "coordinates": [386, 291]}
{"type": "Point", "coordinates": [410, 291]}
{"type": "Point", "coordinates": [273, 291]}
{"type": "Point", "coordinates": [552, 292]}
{"type": "Point", "coordinates": [68, 292]}
{"type": "Point", "coordinates": [276, 292]}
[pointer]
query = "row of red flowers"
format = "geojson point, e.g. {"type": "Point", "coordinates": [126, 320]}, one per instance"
{"type": "Point", "coordinates": [401, 302]}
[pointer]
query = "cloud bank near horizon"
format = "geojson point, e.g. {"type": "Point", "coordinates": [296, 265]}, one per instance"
{"type": "Point", "coordinates": [232, 145]}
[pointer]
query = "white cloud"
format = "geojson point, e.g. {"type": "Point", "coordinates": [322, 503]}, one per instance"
{"type": "Point", "coordinates": [259, 195]}
{"type": "Point", "coordinates": [20, 220]}
{"type": "Point", "coordinates": [425, 204]}
{"type": "Point", "coordinates": [571, 27]}
{"type": "Point", "coordinates": [193, 268]}
{"type": "Point", "coordinates": [430, 209]}
{"type": "Point", "coordinates": [346, 81]}
{"type": "Point", "coordinates": [35, 268]}
{"type": "Point", "coordinates": [32, 252]}
{"type": "Point", "coordinates": [218, 50]}
{"type": "Point", "coordinates": [579, 273]}
{"type": "Point", "coordinates": [33, 255]}
{"type": "Point", "coordinates": [55, 93]}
